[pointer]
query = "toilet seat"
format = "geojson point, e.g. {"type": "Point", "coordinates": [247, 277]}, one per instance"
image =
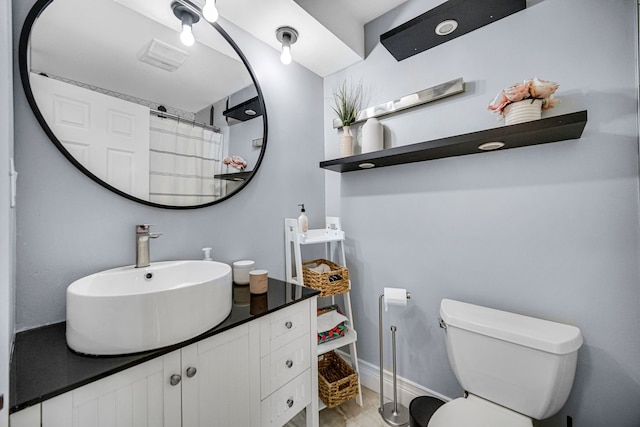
{"type": "Point", "coordinates": [476, 412]}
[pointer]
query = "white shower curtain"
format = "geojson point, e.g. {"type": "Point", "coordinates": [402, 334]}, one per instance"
{"type": "Point", "coordinates": [183, 160]}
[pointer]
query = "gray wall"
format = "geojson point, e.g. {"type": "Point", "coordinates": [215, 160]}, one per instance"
{"type": "Point", "coordinates": [7, 218]}
{"type": "Point", "coordinates": [68, 226]}
{"type": "Point", "coordinates": [548, 231]}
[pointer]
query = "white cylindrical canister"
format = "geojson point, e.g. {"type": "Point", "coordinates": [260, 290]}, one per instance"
{"type": "Point", "coordinates": [372, 136]}
{"type": "Point", "coordinates": [241, 271]}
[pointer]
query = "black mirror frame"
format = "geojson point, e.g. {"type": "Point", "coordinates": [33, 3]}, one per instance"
{"type": "Point", "coordinates": [23, 45]}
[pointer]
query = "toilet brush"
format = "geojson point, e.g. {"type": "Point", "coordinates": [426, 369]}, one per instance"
{"type": "Point", "coordinates": [392, 413]}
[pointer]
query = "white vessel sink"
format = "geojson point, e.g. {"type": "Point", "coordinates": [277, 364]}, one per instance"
{"type": "Point", "coordinates": [128, 309]}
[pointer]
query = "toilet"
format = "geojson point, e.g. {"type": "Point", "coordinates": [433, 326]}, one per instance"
{"type": "Point", "coordinates": [513, 368]}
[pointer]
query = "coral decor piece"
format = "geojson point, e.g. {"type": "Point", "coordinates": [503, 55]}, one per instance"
{"type": "Point", "coordinates": [235, 161]}
{"type": "Point", "coordinates": [529, 89]}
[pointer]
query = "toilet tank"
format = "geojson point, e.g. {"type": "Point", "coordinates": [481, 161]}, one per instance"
{"type": "Point", "coordinates": [522, 363]}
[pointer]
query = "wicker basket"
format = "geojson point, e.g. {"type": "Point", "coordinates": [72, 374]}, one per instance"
{"type": "Point", "coordinates": [321, 282]}
{"type": "Point", "coordinates": [337, 381]}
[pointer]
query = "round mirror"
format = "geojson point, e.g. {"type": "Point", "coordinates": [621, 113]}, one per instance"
{"type": "Point", "coordinates": [134, 108]}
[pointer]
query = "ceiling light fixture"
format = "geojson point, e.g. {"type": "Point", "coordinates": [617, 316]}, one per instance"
{"type": "Point", "coordinates": [446, 27]}
{"type": "Point", "coordinates": [209, 11]}
{"type": "Point", "coordinates": [287, 36]}
{"type": "Point", "coordinates": [187, 16]}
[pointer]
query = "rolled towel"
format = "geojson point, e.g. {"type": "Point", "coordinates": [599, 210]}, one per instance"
{"type": "Point", "coordinates": [330, 320]}
{"type": "Point", "coordinates": [322, 268]}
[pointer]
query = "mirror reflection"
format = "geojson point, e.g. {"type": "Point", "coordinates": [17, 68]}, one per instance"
{"type": "Point", "coordinates": [155, 120]}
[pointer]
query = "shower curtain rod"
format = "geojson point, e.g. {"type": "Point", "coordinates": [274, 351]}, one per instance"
{"type": "Point", "coordinates": [182, 119]}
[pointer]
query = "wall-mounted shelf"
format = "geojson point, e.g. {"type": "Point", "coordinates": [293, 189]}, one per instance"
{"type": "Point", "coordinates": [242, 111]}
{"type": "Point", "coordinates": [234, 176]}
{"type": "Point", "coordinates": [552, 129]}
{"type": "Point", "coordinates": [421, 33]}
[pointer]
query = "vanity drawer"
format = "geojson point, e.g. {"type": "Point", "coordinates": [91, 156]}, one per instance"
{"type": "Point", "coordinates": [286, 402]}
{"type": "Point", "coordinates": [282, 365]}
{"type": "Point", "coordinates": [284, 326]}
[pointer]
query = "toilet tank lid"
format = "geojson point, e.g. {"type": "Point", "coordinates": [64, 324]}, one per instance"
{"type": "Point", "coordinates": [544, 335]}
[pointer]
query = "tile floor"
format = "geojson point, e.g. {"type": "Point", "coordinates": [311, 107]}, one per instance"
{"type": "Point", "coordinates": [349, 414]}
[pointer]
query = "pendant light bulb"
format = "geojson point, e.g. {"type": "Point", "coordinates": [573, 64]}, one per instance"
{"type": "Point", "coordinates": [187, 17]}
{"type": "Point", "coordinates": [186, 36]}
{"type": "Point", "coordinates": [287, 36]}
{"type": "Point", "coordinates": [285, 57]}
{"type": "Point", "coordinates": [209, 11]}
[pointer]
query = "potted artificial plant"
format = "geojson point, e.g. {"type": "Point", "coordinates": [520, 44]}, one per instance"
{"type": "Point", "coordinates": [346, 103]}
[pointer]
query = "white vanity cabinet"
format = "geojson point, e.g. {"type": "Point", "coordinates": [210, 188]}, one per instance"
{"type": "Point", "coordinates": [204, 384]}
{"type": "Point", "coordinates": [139, 396]}
{"type": "Point", "coordinates": [288, 365]}
{"type": "Point", "coordinates": [221, 381]}
{"type": "Point", "coordinates": [259, 373]}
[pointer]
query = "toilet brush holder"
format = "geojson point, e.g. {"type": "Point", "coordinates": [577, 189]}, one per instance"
{"type": "Point", "coordinates": [392, 412]}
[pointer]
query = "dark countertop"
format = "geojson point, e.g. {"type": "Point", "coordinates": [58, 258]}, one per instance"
{"type": "Point", "coordinates": [42, 366]}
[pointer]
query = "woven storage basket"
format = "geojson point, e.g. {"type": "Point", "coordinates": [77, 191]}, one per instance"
{"type": "Point", "coordinates": [337, 381]}
{"type": "Point", "coordinates": [321, 282]}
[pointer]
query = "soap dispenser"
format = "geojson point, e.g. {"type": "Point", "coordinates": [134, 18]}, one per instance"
{"type": "Point", "coordinates": [303, 221]}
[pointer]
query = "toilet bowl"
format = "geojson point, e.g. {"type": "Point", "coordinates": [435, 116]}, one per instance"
{"type": "Point", "coordinates": [513, 368]}
{"type": "Point", "coordinates": [475, 411]}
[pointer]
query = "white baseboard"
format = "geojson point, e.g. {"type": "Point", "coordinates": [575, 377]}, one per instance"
{"type": "Point", "coordinates": [407, 389]}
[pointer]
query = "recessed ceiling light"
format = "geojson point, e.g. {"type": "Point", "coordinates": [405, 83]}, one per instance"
{"type": "Point", "coordinates": [494, 145]}
{"type": "Point", "coordinates": [250, 112]}
{"type": "Point", "coordinates": [366, 165]}
{"type": "Point", "coordinates": [446, 27]}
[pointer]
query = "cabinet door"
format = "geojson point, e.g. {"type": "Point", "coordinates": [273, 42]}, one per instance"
{"type": "Point", "coordinates": [141, 396]}
{"type": "Point", "coordinates": [29, 417]}
{"type": "Point", "coordinates": [224, 390]}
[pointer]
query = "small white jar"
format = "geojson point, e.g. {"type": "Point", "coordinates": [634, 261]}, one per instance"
{"type": "Point", "coordinates": [241, 271]}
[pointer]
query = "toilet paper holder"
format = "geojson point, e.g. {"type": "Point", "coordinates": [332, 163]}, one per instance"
{"type": "Point", "coordinates": [392, 413]}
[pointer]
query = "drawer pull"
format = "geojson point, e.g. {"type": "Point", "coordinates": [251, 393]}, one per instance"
{"type": "Point", "coordinates": [289, 363]}
{"type": "Point", "coordinates": [191, 372]}
{"type": "Point", "coordinates": [290, 402]}
{"type": "Point", "coordinates": [175, 379]}
{"type": "Point", "coordinates": [288, 325]}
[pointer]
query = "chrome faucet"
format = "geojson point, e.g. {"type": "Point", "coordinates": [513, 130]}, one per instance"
{"type": "Point", "coordinates": [142, 244]}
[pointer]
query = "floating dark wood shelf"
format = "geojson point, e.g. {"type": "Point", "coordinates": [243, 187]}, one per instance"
{"type": "Point", "coordinates": [419, 34]}
{"type": "Point", "coordinates": [234, 176]}
{"type": "Point", "coordinates": [552, 129]}
{"type": "Point", "coordinates": [239, 112]}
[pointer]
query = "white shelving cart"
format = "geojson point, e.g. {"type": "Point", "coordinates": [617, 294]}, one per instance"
{"type": "Point", "coordinates": [332, 237]}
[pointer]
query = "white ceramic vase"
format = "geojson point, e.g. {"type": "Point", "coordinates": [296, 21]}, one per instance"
{"type": "Point", "coordinates": [346, 142]}
{"type": "Point", "coordinates": [372, 136]}
{"type": "Point", "coordinates": [523, 111]}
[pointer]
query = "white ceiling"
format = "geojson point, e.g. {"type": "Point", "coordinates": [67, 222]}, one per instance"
{"type": "Point", "coordinates": [368, 10]}
{"type": "Point", "coordinates": [89, 51]}
{"type": "Point", "coordinates": [331, 32]}
{"type": "Point", "coordinates": [74, 39]}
